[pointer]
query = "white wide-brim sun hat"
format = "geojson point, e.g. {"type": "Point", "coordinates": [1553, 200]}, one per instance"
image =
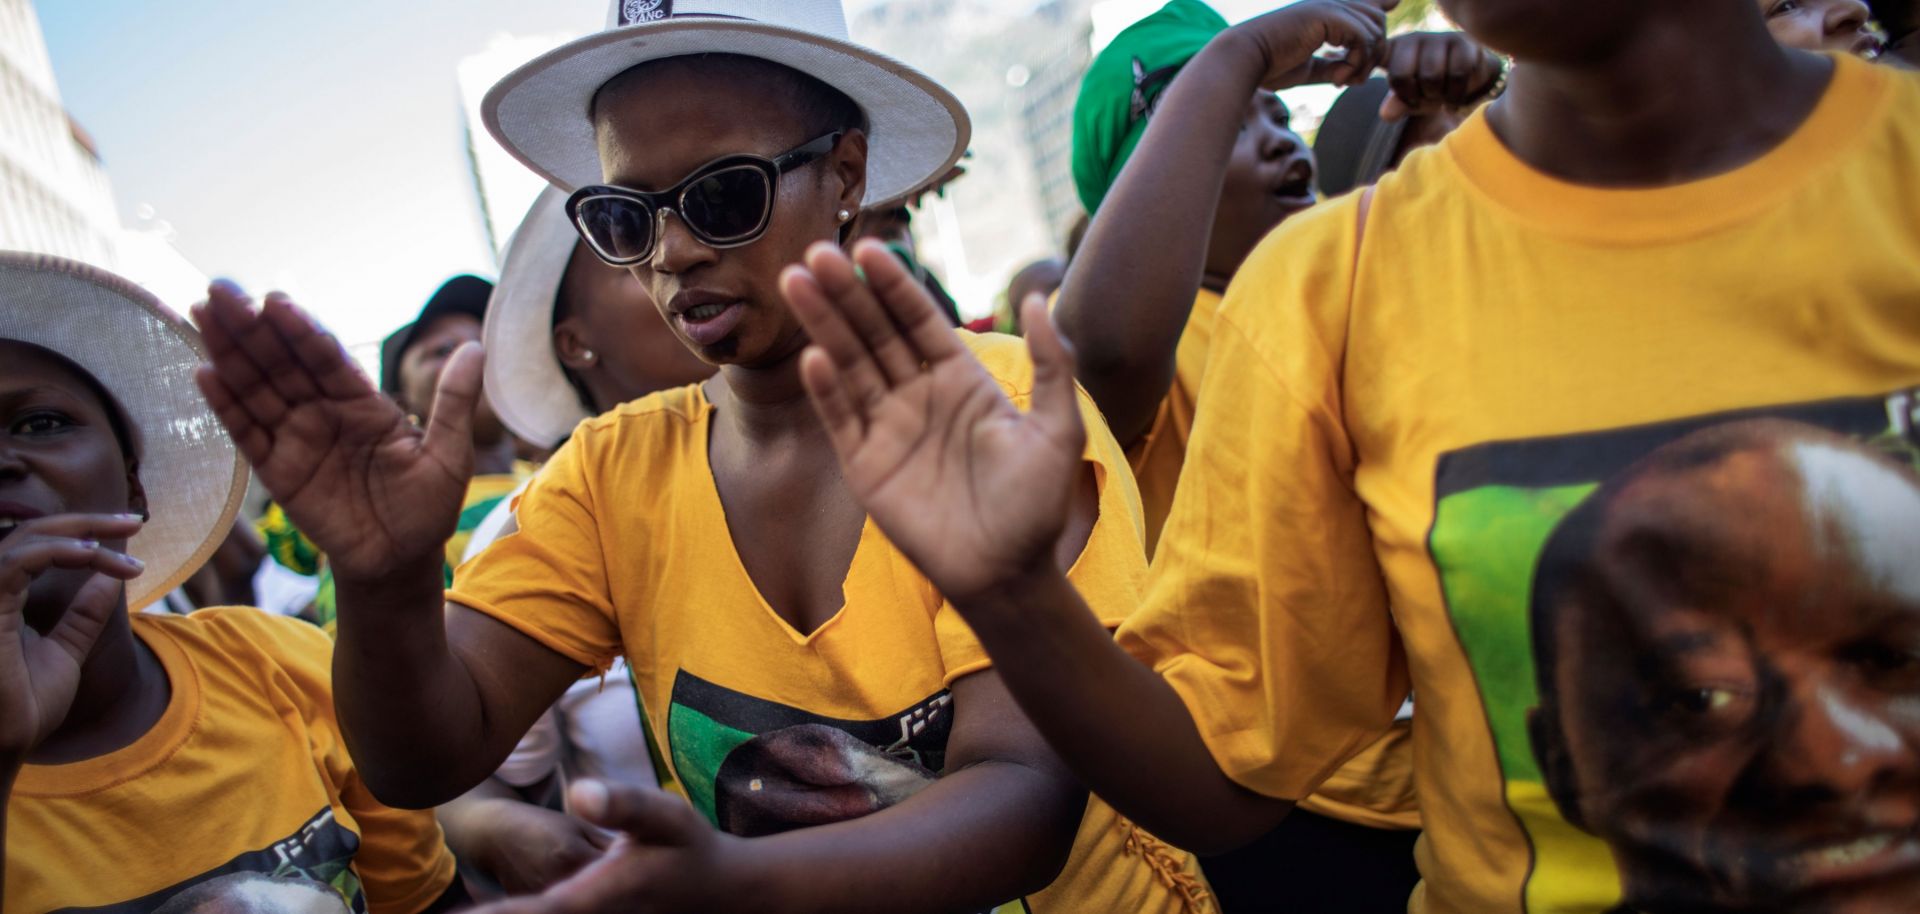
{"type": "Point", "coordinates": [916, 130]}
{"type": "Point", "coordinates": [143, 356]}
{"type": "Point", "coordinates": [525, 381]}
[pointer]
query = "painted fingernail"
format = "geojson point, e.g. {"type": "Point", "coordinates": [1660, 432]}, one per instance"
{"type": "Point", "coordinates": [129, 517]}
{"type": "Point", "coordinates": [134, 562]}
{"type": "Point", "coordinates": [89, 544]}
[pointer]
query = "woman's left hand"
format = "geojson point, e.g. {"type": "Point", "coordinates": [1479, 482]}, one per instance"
{"type": "Point", "coordinates": [973, 490]}
{"type": "Point", "coordinates": [667, 859]}
{"type": "Point", "coordinates": [1437, 71]}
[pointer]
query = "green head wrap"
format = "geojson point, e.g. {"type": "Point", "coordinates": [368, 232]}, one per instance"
{"type": "Point", "coordinates": [1122, 85]}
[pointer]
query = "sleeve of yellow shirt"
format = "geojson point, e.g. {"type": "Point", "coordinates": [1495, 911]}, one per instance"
{"type": "Point", "coordinates": [1111, 570]}
{"type": "Point", "coordinates": [403, 861]}
{"type": "Point", "coordinates": [544, 574]}
{"type": "Point", "coordinates": [1266, 609]}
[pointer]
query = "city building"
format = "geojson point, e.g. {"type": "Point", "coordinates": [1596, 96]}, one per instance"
{"type": "Point", "coordinates": [504, 187]}
{"type": "Point", "coordinates": [1046, 111]}
{"type": "Point", "coordinates": [55, 197]}
{"type": "Point", "coordinates": [54, 193]}
{"type": "Point", "coordinates": [995, 220]}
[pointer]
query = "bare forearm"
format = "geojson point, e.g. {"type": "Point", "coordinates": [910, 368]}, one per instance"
{"type": "Point", "coordinates": [1115, 722]}
{"type": "Point", "coordinates": [409, 709]}
{"type": "Point", "coordinates": [981, 836]}
{"type": "Point", "coordinates": [1131, 287]}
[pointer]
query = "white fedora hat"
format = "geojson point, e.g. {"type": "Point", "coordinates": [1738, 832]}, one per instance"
{"type": "Point", "coordinates": [524, 380]}
{"type": "Point", "coordinates": [144, 356]}
{"type": "Point", "coordinates": [539, 112]}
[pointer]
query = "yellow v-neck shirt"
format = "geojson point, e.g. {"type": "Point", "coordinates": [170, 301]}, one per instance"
{"type": "Point", "coordinates": [622, 547]}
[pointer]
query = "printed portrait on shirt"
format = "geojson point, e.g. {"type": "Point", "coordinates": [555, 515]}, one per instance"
{"type": "Point", "coordinates": [308, 872]}
{"type": "Point", "coordinates": [1722, 619]}
{"type": "Point", "coordinates": [757, 767]}
{"type": "Point", "coordinates": [257, 893]}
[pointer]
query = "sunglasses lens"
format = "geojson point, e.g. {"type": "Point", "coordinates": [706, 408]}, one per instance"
{"type": "Point", "coordinates": [729, 205]}
{"type": "Point", "coordinates": [621, 229]}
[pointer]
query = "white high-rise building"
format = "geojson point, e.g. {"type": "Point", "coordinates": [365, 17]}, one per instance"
{"type": "Point", "coordinates": [54, 195]}
{"type": "Point", "coordinates": [1047, 95]}
{"type": "Point", "coordinates": [504, 187]}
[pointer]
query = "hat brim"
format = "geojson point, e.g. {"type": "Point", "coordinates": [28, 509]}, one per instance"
{"type": "Point", "coordinates": [145, 357]}
{"type": "Point", "coordinates": [524, 379]}
{"type": "Point", "coordinates": [917, 130]}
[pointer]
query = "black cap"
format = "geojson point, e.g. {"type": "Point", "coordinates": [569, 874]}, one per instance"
{"type": "Point", "coordinates": [460, 295]}
{"type": "Point", "coordinates": [1355, 147]}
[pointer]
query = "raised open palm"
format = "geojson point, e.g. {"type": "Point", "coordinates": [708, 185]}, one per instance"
{"type": "Point", "coordinates": [973, 490]}
{"type": "Point", "coordinates": [352, 472]}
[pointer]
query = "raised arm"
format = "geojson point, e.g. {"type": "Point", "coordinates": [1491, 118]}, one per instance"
{"type": "Point", "coordinates": [1131, 286]}
{"type": "Point", "coordinates": [914, 417]}
{"type": "Point", "coordinates": [430, 697]}
{"type": "Point", "coordinates": [998, 826]}
{"type": "Point", "coordinates": [1130, 290]}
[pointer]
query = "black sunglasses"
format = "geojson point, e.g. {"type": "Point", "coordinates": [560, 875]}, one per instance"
{"type": "Point", "coordinates": [725, 203]}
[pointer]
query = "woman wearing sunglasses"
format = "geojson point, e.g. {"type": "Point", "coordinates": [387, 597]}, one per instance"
{"type": "Point", "coordinates": [841, 740]}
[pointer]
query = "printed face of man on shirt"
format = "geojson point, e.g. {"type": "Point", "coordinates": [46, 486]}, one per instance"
{"type": "Point", "coordinates": [1728, 642]}
{"type": "Point", "coordinates": [256, 893]}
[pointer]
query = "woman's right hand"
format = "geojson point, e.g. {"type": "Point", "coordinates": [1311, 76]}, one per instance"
{"type": "Point", "coordinates": [39, 673]}
{"type": "Point", "coordinates": [377, 494]}
{"type": "Point", "coordinates": [526, 848]}
{"type": "Point", "coordinates": [1289, 39]}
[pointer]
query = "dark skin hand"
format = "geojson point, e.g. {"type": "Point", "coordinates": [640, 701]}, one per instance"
{"type": "Point", "coordinates": [1130, 292]}
{"type": "Point", "coordinates": [916, 856]}
{"type": "Point", "coordinates": [613, 340]}
{"type": "Point", "coordinates": [1130, 738]}
{"type": "Point", "coordinates": [52, 681]}
{"type": "Point", "coordinates": [433, 696]}
{"type": "Point", "coordinates": [914, 417]}
{"type": "Point", "coordinates": [380, 496]}
{"type": "Point", "coordinates": [74, 681]}
{"type": "Point", "coordinates": [770, 458]}
{"type": "Point", "coordinates": [523, 847]}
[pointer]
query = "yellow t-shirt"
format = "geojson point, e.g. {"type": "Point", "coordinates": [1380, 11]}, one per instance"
{"type": "Point", "coordinates": [1157, 457]}
{"type": "Point", "coordinates": [244, 779]}
{"type": "Point", "coordinates": [1389, 436]}
{"type": "Point", "coordinates": [622, 546]}
{"type": "Point", "coordinates": [484, 493]}
{"type": "Point", "coordinates": [1375, 788]}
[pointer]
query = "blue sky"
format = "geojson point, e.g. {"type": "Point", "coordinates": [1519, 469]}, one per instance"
{"type": "Point", "coordinates": [316, 147]}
